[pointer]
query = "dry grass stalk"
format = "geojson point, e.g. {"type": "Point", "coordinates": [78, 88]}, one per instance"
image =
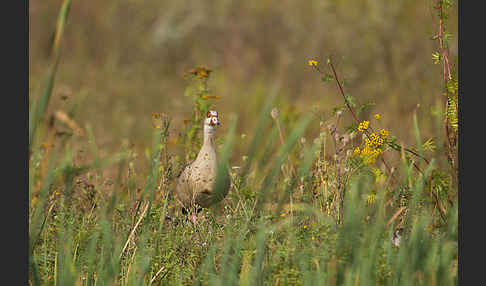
{"type": "Point", "coordinates": [130, 265]}
{"type": "Point", "coordinates": [400, 210]}
{"type": "Point", "coordinates": [134, 228]}
{"type": "Point", "coordinates": [156, 274]}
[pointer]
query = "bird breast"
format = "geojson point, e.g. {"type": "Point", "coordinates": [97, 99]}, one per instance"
{"type": "Point", "coordinates": [204, 170]}
{"type": "Point", "coordinates": [196, 181]}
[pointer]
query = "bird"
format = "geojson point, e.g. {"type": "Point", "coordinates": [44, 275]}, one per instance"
{"type": "Point", "coordinates": [397, 237]}
{"type": "Point", "coordinates": [195, 182]}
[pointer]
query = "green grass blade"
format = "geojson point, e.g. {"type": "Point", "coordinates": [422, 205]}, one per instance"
{"type": "Point", "coordinates": [39, 107]}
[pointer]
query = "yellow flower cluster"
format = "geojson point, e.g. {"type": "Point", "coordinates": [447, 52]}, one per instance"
{"type": "Point", "coordinates": [363, 125]}
{"type": "Point", "coordinates": [312, 63]}
{"type": "Point", "coordinates": [375, 141]}
{"type": "Point", "coordinates": [369, 154]}
{"type": "Point", "coordinates": [372, 148]}
{"type": "Point", "coordinates": [377, 116]}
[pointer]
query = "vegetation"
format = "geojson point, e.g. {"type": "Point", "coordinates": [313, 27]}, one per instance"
{"type": "Point", "coordinates": [316, 194]}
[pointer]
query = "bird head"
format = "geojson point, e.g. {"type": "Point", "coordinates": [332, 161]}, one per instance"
{"type": "Point", "coordinates": [211, 118]}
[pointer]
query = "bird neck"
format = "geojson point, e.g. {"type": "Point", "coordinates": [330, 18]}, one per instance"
{"type": "Point", "coordinates": [208, 135]}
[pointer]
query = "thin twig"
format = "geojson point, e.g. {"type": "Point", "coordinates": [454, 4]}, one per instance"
{"type": "Point", "coordinates": [439, 205]}
{"type": "Point", "coordinates": [342, 92]}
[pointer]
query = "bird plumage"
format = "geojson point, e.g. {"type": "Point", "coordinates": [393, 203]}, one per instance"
{"type": "Point", "coordinates": [196, 181]}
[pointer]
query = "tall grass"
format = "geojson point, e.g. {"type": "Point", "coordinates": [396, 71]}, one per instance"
{"type": "Point", "coordinates": [270, 230]}
{"type": "Point", "coordinates": [232, 248]}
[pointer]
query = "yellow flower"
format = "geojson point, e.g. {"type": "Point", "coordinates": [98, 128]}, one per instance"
{"type": "Point", "coordinates": [377, 116]}
{"type": "Point", "coordinates": [283, 215]}
{"type": "Point", "coordinates": [312, 63]}
{"type": "Point", "coordinates": [204, 97]}
{"type": "Point", "coordinates": [384, 133]}
{"type": "Point", "coordinates": [363, 126]}
{"type": "Point", "coordinates": [305, 226]}
{"type": "Point", "coordinates": [357, 151]}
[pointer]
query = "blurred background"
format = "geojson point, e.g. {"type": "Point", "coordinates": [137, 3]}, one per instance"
{"type": "Point", "coordinates": [123, 60]}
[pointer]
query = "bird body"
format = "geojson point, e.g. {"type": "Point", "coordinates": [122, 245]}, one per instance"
{"type": "Point", "coordinates": [196, 180]}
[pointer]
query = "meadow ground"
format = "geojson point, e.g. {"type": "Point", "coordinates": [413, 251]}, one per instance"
{"type": "Point", "coordinates": [336, 133]}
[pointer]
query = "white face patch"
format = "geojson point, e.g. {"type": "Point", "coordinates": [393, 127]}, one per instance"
{"type": "Point", "coordinates": [211, 118]}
